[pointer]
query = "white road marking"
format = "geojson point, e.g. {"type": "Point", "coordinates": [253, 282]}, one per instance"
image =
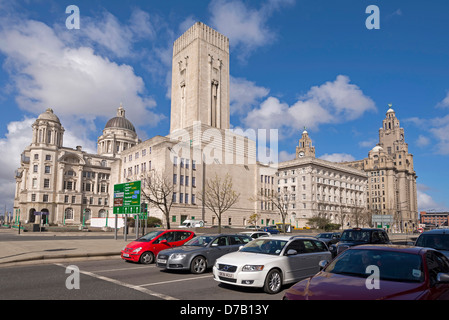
{"type": "Point", "coordinates": [124, 284]}
{"type": "Point", "coordinates": [170, 281]}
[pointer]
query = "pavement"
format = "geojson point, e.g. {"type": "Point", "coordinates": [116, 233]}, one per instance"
{"type": "Point", "coordinates": [51, 247]}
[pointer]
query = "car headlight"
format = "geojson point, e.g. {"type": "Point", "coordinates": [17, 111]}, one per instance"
{"type": "Point", "coordinates": [250, 267]}
{"type": "Point", "coordinates": [177, 256]}
{"type": "Point", "coordinates": [137, 250]}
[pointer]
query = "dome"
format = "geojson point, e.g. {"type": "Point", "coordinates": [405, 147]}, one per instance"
{"type": "Point", "coordinates": [49, 116]}
{"type": "Point", "coordinates": [377, 149]}
{"type": "Point", "coordinates": [120, 121]}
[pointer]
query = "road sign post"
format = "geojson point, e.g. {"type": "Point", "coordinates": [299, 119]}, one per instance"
{"type": "Point", "coordinates": [127, 200]}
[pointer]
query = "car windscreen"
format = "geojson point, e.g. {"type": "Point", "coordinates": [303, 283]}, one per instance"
{"type": "Point", "coordinates": [265, 246]}
{"type": "Point", "coordinates": [149, 236]}
{"type": "Point", "coordinates": [360, 263]}
{"type": "Point", "coordinates": [200, 241]}
{"type": "Point", "coordinates": [324, 235]}
{"type": "Point", "coordinates": [356, 236]}
{"type": "Point", "coordinates": [436, 241]}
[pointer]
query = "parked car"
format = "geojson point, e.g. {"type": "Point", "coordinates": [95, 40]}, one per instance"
{"type": "Point", "coordinates": [201, 252]}
{"type": "Point", "coordinates": [358, 236]}
{"type": "Point", "coordinates": [271, 229]}
{"type": "Point", "coordinates": [329, 237]}
{"type": "Point", "coordinates": [271, 262]}
{"type": "Point", "coordinates": [405, 273]}
{"type": "Point", "coordinates": [192, 224]}
{"type": "Point", "coordinates": [146, 248]}
{"type": "Point", "coordinates": [437, 239]}
{"type": "Point", "coordinates": [252, 227]}
{"type": "Point", "coordinates": [256, 234]}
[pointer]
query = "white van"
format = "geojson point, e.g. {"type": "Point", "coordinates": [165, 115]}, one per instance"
{"type": "Point", "coordinates": [192, 224]}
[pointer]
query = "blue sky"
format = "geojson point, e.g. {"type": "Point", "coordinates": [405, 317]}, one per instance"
{"type": "Point", "coordinates": [294, 63]}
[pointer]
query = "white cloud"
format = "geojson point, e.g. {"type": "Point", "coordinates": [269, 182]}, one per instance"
{"type": "Point", "coordinates": [245, 95]}
{"type": "Point", "coordinates": [422, 141]}
{"type": "Point", "coordinates": [245, 27]}
{"type": "Point", "coordinates": [337, 157]}
{"type": "Point", "coordinates": [425, 201]}
{"type": "Point", "coordinates": [285, 156]}
{"type": "Point", "coordinates": [74, 81]}
{"type": "Point", "coordinates": [18, 136]}
{"type": "Point", "coordinates": [333, 102]}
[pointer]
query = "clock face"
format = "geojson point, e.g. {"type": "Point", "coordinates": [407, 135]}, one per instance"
{"type": "Point", "coordinates": [301, 154]}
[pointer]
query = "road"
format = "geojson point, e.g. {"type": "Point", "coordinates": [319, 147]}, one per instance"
{"type": "Point", "coordinates": [116, 279]}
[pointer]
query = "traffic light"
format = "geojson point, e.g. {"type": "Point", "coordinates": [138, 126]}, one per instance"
{"type": "Point", "coordinates": [144, 207]}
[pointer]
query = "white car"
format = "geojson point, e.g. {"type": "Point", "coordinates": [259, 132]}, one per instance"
{"type": "Point", "coordinates": [270, 262]}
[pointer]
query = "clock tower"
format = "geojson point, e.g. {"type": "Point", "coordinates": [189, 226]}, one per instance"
{"type": "Point", "coordinates": [305, 148]}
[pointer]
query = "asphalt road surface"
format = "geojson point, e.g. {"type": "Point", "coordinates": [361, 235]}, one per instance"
{"type": "Point", "coordinates": [116, 279]}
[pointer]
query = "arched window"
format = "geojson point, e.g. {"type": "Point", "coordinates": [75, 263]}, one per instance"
{"type": "Point", "coordinates": [68, 214]}
{"type": "Point", "coordinates": [102, 213]}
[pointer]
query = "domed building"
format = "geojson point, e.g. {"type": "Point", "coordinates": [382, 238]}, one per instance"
{"type": "Point", "coordinates": [119, 134]}
{"type": "Point", "coordinates": [62, 185]}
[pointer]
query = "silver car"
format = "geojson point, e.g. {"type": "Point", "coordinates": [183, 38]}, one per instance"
{"type": "Point", "coordinates": [201, 252]}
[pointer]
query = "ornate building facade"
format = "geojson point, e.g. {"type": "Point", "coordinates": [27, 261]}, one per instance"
{"type": "Point", "coordinates": [391, 187]}
{"type": "Point", "coordinates": [72, 186]}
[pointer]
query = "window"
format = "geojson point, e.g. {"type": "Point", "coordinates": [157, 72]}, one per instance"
{"type": "Point", "coordinates": [193, 199]}
{"type": "Point", "coordinates": [48, 157]}
{"type": "Point", "coordinates": [186, 198]}
{"type": "Point", "coordinates": [33, 197]}
{"type": "Point", "coordinates": [193, 165]}
{"type": "Point", "coordinates": [181, 197]}
{"type": "Point", "coordinates": [34, 183]}
{"type": "Point", "coordinates": [174, 197]}
{"type": "Point", "coordinates": [36, 157]}
{"type": "Point", "coordinates": [35, 168]}
{"type": "Point", "coordinates": [46, 183]}
{"type": "Point", "coordinates": [45, 198]}
{"type": "Point", "coordinates": [175, 178]}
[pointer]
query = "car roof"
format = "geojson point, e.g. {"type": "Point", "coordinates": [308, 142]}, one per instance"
{"type": "Point", "coordinates": [288, 238]}
{"type": "Point", "coordinates": [392, 247]}
{"type": "Point", "coordinates": [364, 229]}
{"type": "Point", "coordinates": [437, 231]}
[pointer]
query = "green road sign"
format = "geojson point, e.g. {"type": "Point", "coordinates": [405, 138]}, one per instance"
{"type": "Point", "coordinates": [127, 198]}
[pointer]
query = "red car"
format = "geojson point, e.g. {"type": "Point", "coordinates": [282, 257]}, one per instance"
{"type": "Point", "coordinates": [144, 249]}
{"type": "Point", "coordinates": [378, 272]}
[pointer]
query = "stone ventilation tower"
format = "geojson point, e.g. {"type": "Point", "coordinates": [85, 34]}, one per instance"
{"type": "Point", "coordinates": [200, 79]}
{"type": "Point", "coordinates": [47, 130]}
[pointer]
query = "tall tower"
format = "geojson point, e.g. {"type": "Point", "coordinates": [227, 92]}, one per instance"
{"type": "Point", "coordinates": [200, 79]}
{"type": "Point", "coordinates": [305, 148]}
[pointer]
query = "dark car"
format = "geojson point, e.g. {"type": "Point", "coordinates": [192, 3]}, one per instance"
{"type": "Point", "coordinates": [271, 229]}
{"type": "Point", "coordinates": [329, 237]}
{"type": "Point", "coordinates": [201, 252]}
{"type": "Point", "coordinates": [437, 239]}
{"type": "Point", "coordinates": [358, 236]}
{"type": "Point", "coordinates": [378, 272]}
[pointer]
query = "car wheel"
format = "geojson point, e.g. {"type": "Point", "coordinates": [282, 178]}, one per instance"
{"type": "Point", "coordinates": [273, 282]}
{"type": "Point", "coordinates": [147, 257]}
{"type": "Point", "coordinates": [198, 265]}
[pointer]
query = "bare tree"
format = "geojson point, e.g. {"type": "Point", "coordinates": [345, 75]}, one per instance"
{"type": "Point", "coordinates": [277, 201]}
{"type": "Point", "coordinates": [158, 191]}
{"type": "Point", "coordinates": [219, 196]}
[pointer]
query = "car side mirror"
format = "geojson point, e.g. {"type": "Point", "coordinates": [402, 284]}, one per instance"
{"type": "Point", "coordinates": [164, 241]}
{"type": "Point", "coordinates": [323, 264]}
{"type": "Point", "coordinates": [291, 252]}
{"type": "Point", "coordinates": [443, 277]}
{"type": "Point", "coordinates": [214, 245]}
